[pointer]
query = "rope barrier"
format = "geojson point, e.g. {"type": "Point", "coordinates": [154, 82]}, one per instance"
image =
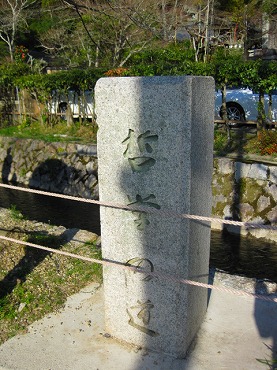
{"type": "Point", "coordinates": [124, 266]}
{"type": "Point", "coordinates": [247, 225]}
{"type": "Point", "coordinates": [135, 268]}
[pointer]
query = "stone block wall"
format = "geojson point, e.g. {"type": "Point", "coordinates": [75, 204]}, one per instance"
{"type": "Point", "coordinates": [245, 192]}
{"type": "Point", "coordinates": [67, 168]}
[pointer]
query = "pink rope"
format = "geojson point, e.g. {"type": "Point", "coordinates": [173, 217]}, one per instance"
{"type": "Point", "coordinates": [172, 278]}
{"type": "Point", "coordinates": [142, 209]}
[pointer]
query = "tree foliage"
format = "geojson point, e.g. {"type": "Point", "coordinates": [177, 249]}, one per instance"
{"type": "Point", "coordinates": [130, 37]}
{"type": "Point", "coordinates": [12, 20]}
{"type": "Point", "coordinates": [107, 33]}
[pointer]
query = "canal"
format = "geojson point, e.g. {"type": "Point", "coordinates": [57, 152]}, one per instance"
{"type": "Point", "coordinates": [231, 253]}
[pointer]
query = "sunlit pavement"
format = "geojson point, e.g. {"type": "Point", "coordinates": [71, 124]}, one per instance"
{"type": "Point", "coordinates": [237, 332]}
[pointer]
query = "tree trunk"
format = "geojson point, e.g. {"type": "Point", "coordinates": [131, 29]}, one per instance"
{"type": "Point", "coordinates": [261, 122]}
{"type": "Point", "coordinates": [224, 111]}
{"type": "Point", "coordinates": [164, 22]}
{"type": "Point", "coordinates": [96, 64]}
{"type": "Point", "coordinates": [270, 116]}
{"type": "Point", "coordinates": [207, 32]}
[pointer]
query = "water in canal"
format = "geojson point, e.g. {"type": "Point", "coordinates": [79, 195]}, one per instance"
{"type": "Point", "coordinates": [231, 253]}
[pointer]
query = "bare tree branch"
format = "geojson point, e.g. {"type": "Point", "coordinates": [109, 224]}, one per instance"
{"type": "Point", "coordinates": [74, 5]}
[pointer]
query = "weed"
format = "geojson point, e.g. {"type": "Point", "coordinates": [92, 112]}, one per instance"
{"type": "Point", "coordinates": [270, 363]}
{"type": "Point", "coordinates": [15, 213]}
{"type": "Point", "coordinates": [24, 124]}
{"type": "Point", "coordinates": [7, 308]}
{"type": "Point", "coordinates": [23, 172]}
{"type": "Point", "coordinates": [220, 141]}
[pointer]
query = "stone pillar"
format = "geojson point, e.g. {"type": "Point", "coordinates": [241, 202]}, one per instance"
{"type": "Point", "coordinates": [155, 144]}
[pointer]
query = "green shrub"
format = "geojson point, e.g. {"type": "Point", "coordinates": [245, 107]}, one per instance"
{"type": "Point", "coordinates": [267, 142]}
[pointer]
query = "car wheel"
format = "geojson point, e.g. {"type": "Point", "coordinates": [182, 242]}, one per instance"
{"type": "Point", "coordinates": [234, 112]}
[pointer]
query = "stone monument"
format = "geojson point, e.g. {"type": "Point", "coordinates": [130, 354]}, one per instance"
{"type": "Point", "coordinates": [155, 147]}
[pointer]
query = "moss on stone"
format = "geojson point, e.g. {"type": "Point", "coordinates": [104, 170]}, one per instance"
{"type": "Point", "coordinates": [224, 186]}
{"type": "Point", "coordinates": [249, 191]}
{"type": "Point", "coordinates": [218, 210]}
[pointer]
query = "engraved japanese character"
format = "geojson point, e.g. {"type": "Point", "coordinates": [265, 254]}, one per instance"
{"type": "Point", "coordinates": [142, 219]}
{"type": "Point", "coordinates": [141, 144]}
{"type": "Point", "coordinates": [140, 317]}
{"type": "Point", "coordinates": [142, 263]}
{"type": "Point", "coordinates": [145, 140]}
{"type": "Point", "coordinates": [144, 201]}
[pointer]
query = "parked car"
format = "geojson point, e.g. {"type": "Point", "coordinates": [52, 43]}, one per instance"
{"type": "Point", "coordinates": [79, 104]}
{"type": "Point", "coordinates": [242, 104]}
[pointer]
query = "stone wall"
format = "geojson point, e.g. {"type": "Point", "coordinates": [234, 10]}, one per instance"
{"type": "Point", "coordinates": [245, 191]}
{"type": "Point", "coordinates": [67, 168]}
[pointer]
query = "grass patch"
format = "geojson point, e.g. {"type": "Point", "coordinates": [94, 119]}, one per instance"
{"type": "Point", "coordinates": [34, 282]}
{"type": "Point", "coordinates": [84, 132]}
{"type": "Point", "coordinates": [243, 140]}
